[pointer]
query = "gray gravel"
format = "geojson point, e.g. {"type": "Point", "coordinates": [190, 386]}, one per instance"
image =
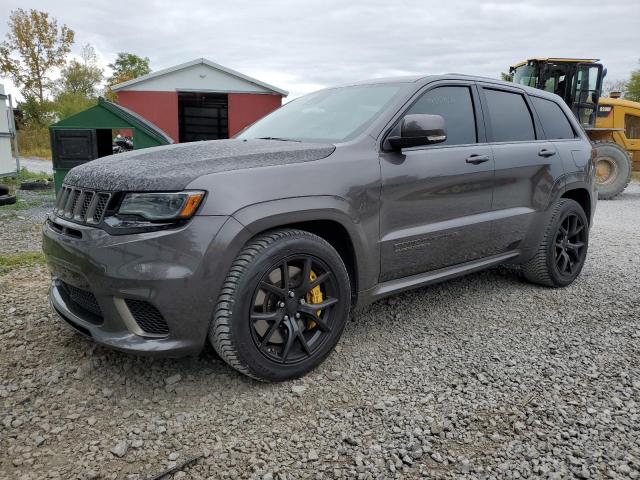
{"type": "Point", "coordinates": [481, 377]}
{"type": "Point", "coordinates": [21, 223]}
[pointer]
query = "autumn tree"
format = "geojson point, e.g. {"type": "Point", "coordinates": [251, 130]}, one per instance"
{"type": "Point", "coordinates": [33, 47]}
{"type": "Point", "coordinates": [127, 66]}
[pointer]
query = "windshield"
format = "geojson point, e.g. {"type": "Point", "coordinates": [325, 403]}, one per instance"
{"type": "Point", "coordinates": [332, 115]}
{"type": "Point", "coordinates": [526, 75]}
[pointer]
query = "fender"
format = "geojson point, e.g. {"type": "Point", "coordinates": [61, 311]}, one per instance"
{"type": "Point", "coordinates": [362, 230]}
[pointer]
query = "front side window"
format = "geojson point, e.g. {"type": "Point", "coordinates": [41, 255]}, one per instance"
{"type": "Point", "coordinates": [554, 122]}
{"type": "Point", "coordinates": [455, 105]}
{"type": "Point", "coordinates": [632, 126]}
{"type": "Point", "coordinates": [332, 115]}
{"type": "Point", "coordinates": [509, 116]}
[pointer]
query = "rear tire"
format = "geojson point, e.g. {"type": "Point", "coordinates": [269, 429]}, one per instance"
{"type": "Point", "coordinates": [563, 249]}
{"type": "Point", "coordinates": [37, 185]}
{"type": "Point", "coordinates": [613, 169]}
{"type": "Point", "coordinates": [7, 199]}
{"type": "Point", "coordinates": [266, 325]}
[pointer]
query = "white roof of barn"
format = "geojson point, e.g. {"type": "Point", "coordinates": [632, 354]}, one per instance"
{"type": "Point", "coordinates": [199, 75]}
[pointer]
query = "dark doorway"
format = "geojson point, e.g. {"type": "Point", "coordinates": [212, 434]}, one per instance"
{"type": "Point", "coordinates": [202, 116]}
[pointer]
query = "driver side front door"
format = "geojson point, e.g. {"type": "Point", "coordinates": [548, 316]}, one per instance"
{"type": "Point", "coordinates": [436, 199]}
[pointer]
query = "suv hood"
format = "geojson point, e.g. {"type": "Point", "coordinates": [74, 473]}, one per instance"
{"type": "Point", "coordinates": [173, 167]}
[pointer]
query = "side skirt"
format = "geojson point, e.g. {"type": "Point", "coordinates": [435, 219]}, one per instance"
{"type": "Point", "coordinates": [414, 281]}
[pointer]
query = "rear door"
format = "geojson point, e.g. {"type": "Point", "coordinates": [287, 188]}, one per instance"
{"type": "Point", "coordinates": [573, 151]}
{"type": "Point", "coordinates": [436, 199]}
{"type": "Point", "coordinates": [526, 165]}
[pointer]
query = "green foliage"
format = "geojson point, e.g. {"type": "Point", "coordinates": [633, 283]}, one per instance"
{"type": "Point", "coordinates": [10, 262]}
{"type": "Point", "coordinates": [633, 87]}
{"type": "Point", "coordinates": [70, 103]}
{"type": "Point", "coordinates": [128, 66]}
{"type": "Point", "coordinates": [81, 77]}
{"type": "Point", "coordinates": [36, 113]}
{"type": "Point", "coordinates": [34, 45]}
{"type": "Point", "coordinates": [507, 77]}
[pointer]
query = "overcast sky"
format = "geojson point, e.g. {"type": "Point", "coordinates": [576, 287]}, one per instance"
{"type": "Point", "coordinates": [304, 45]}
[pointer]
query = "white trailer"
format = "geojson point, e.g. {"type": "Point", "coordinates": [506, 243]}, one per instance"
{"type": "Point", "coordinates": [8, 165]}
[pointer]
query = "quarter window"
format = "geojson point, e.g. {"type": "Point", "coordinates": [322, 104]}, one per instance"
{"type": "Point", "coordinates": [632, 127]}
{"type": "Point", "coordinates": [509, 116]}
{"type": "Point", "coordinates": [455, 105]}
{"type": "Point", "coordinates": [554, 122]}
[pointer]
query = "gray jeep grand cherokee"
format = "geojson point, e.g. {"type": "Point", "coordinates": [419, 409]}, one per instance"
{"type": "Point", "coordinates": [264, 244]}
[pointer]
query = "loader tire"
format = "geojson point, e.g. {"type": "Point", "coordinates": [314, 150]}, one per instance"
{"type": "Point", "coordinates": [613, 169]}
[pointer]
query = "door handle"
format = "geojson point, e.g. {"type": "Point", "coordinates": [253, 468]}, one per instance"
{"type": "Point", "coordinates": [477, 159]}
{"type": "Point", "coordinates": [545, 152]}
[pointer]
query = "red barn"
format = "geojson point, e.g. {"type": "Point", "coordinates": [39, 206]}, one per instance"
{"type": "Point", "coordinates": [199, 100]}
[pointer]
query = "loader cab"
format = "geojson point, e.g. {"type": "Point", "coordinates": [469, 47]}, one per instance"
{"type": "Point", "coordinates": [577, 81]}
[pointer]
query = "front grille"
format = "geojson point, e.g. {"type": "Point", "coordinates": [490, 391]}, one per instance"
{"type": "Point", "coordinates": [82, 205]}
{"type": "Point", "coordinates": [83, 299]}
{"type": "Point", "coordinates": [148, 318]}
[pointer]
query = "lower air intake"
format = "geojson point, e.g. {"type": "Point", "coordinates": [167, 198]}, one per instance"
{"type": "Point", "coordinates": [148, 318]}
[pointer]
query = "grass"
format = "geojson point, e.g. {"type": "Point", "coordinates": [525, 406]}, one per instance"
{"type": "Point", "coordinates": [636, 176]}
{"type": "Point", "coordinates": [21, 205]}
{"type": "Point", "coordinates": [17, 260]}
{"type": "Point", "coordinates": [24, 176]}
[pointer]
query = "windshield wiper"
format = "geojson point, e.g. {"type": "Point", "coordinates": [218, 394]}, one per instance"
{"type": "Point", "coordinates": [279, 139]}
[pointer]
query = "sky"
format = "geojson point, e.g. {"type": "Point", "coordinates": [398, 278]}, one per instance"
{"type": "Point", "coordinates": [305, 45]}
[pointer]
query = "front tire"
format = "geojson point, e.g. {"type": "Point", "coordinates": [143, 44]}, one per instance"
{"type": "Point", "coordinates": [283, 306]}
{"type": "Point", "coordinates": [563, 249]}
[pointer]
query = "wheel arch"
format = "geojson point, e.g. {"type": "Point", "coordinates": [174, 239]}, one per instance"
{"type": "Point", "coordinates": [330, 220]}
{"type": "Point", "coordinates": [582, 197]}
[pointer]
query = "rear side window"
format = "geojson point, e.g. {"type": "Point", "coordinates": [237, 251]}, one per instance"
{"type": "Point", "coordinates": [455, 105]}
{"type": "Point", "coordinates": [554, 122]}
{"type": "Point", "coordinates": [509, 116]}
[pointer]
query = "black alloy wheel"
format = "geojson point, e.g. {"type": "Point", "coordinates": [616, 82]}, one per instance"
{"type": "Point", "coordinates": [286, 324]}
{"type": "Point", "coordinates": [283, 305]}
{"type": "Point", "coordinates": [562, 251]}
{"type": "Point", "coordinates": [570, 244]}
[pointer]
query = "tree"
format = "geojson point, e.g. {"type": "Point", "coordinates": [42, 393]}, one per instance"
{"type": "Point", "coordinates": [128, 66]}
{"type": "Point", "coordinates": [614, 86]}
{"type": "Point", "coordinates": [507, 77]}
{"type": "Point", "coordinates": [81, 77]}
{"type": "Point", "coordinates": [34, 45]}
{"type": "Point", "coordinates": [70, 103]}
{"type": "Point", "coordinates": [633, 87]}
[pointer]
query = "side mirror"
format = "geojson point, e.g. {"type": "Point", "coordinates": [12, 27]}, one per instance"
{"type": "Point", "coordinates": [419, 129]}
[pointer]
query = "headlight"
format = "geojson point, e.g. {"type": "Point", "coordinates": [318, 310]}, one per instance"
{"type": "Point", "coordinates": [161, 206]}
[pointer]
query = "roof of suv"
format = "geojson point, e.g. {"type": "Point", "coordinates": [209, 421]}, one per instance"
{"type": "Point", "coordinates": [448, 76]}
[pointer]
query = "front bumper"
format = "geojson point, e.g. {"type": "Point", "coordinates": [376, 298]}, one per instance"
{"type": "Point", "coordinates": [177, 273]}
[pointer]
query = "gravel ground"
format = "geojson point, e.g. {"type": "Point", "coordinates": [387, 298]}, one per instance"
{"type": "Point", "coordinates": [21, 223]}
{"type": "Point", "coordinates": [481, 377]}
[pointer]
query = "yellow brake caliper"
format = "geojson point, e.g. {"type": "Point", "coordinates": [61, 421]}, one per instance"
{"type": "Point", "coordinates": [314, 296]}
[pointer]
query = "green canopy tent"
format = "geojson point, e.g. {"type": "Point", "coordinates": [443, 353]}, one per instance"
{"type": "Point", "coordinates": [88, 135]}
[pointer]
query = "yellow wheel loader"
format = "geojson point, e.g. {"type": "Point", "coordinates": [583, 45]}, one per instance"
{"type": "Point", "coordinates": [613, 124]}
